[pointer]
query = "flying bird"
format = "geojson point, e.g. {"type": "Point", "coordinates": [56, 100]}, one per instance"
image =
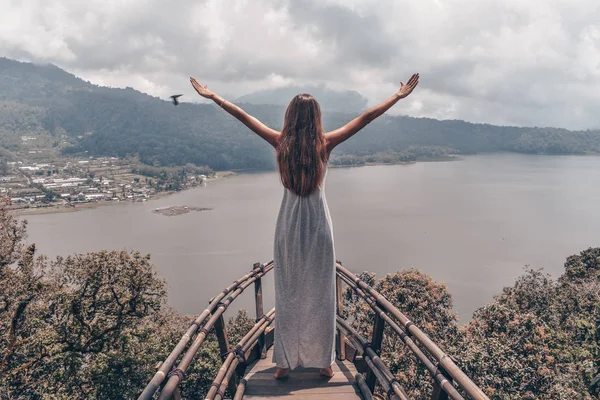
{"type": "Point", "coordinates": [174, 97]}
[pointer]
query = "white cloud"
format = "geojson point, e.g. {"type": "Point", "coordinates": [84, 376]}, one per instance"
{"type": "Point", "coordinates": [534, 62]}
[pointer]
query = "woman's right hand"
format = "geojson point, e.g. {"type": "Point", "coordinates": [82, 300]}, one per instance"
{"type": "Point", "coordinates": [407, 89]}
{"type": "Point", "coordinates": [201, 90]}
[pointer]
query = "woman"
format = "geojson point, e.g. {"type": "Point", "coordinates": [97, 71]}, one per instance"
{"type": "Point", "coordinates": [303, 249]}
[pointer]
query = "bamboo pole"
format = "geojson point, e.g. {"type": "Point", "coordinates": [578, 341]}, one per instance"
{"type": "Point", "coordinates": [223, 340]}
{"type": "Point", "coordinates": [216, 385]}
{"type": "Point", "coordinates": [376, 365]}
{"type": "Point", "coordinates": [227, 379]}
{"type": "Point", "coordinates": [258, 301]}
{"type": "Point", "coordinates": [340, 338]}
{"type": "Point", "coordinates": [217, 389]}
{"type": "Point", "coordinates": [364, 389]}
{"type": "Point", "coordinates": [376, 341]}
{"type": "Point", "coordinates": [241, 389]}
{"type": "Point", "coordinates": [230, 364]}
{"type": "Point", "coordinates": [384, 382]}
{"type": "Point", "coordinates": [438, 392]}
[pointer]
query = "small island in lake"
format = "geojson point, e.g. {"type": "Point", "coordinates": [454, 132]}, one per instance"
{"type": "Point", "coordinates": [178, 210]}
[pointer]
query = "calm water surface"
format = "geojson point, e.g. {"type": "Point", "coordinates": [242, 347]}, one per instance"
{"type": "Point", "coordinates": [472, 223]}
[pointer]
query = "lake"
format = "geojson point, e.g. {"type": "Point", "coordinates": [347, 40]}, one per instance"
{"type": "Point", "coordinates": [473, 224]}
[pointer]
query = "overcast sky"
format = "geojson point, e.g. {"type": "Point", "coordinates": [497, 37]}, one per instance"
{"type": "Point", "coordinates": [518, 62]}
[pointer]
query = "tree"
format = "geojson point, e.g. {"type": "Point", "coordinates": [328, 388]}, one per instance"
{"type": "Point", "coordinates": [66, 322]}
{"type": "Point", "coordinates": [4, 168]}
{"type": "Point", "coordinates": [540, 338]}
{"type": "Point", "coordinates": [579, 300]}
{"type": "Point", "coordinates": [88, 326]}
{"type": "Point", "coordinates": [511, 351]}
{"type": "Point", "coordinates": [12, 234]}
{"type": "Point", "coordinates": [582, 267]}
{"type": "Point", "coordinates": [26, 337]}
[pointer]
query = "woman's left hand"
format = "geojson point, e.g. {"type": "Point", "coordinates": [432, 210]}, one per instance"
{"type": "Point", "coordinates": [407, 89]}
{"type": "Point", "coordinates": [201, 90]}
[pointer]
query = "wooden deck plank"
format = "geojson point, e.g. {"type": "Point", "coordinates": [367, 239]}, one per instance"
{"type": "Point", "coordinates": [303, 383]}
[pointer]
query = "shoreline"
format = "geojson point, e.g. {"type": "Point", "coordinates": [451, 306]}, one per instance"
{"type": "Point", "coordinates": [58, 209]}
{"type": "Point", "coordinates": [218, 176]}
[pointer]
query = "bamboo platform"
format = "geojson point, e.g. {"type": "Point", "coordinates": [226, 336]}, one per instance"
{"type": "Point", "coordinates": [360, 352]}
{"type": "Point", "coordinates": [302, 383]}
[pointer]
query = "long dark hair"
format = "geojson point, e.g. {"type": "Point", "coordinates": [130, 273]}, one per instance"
{"type": "Point", "coordinates": [301, 152]}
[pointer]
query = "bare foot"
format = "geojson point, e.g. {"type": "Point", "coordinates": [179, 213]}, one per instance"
{"type": "Point", "coordinates": [328, 372]}
{"type": "Point", "coordinates": [281, 373]}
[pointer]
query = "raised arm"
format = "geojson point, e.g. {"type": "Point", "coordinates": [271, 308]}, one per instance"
{"type": "Point", "coordinates": [270, 135]}
{"type": "Point", "coordinates": [345, 132]}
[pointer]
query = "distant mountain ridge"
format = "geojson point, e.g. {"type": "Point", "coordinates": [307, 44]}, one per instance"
{"type": "Point", "coordinates": [331, 100]}
{"type": "Point", "coordinates": [46, 101]}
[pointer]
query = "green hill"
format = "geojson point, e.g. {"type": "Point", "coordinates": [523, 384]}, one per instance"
{"type": "Point", "coordinates": [75, 116]}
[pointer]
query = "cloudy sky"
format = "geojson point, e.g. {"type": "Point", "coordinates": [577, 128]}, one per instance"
{"type": "Point", "coordinates": [518, 62]}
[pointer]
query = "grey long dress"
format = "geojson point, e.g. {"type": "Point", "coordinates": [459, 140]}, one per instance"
{"type": "Point", "coordinates": [304, 282]}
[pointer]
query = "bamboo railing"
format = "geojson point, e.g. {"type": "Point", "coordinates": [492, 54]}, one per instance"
{"type": "Point", "coordinates": [447, 377]}
{"type": "Point", "coordinates": [442, 368]}
{"type": "Point", "coordinates": [215, 310]}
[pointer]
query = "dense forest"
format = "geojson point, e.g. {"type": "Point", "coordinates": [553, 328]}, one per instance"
{"type": "Point", "coordinates": [78, 116]}
{"type": "Point", "coordinates": [94, 326]}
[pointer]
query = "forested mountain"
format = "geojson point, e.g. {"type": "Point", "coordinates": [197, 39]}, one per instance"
{"type": "Point", "coordinates": [47, 101]}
